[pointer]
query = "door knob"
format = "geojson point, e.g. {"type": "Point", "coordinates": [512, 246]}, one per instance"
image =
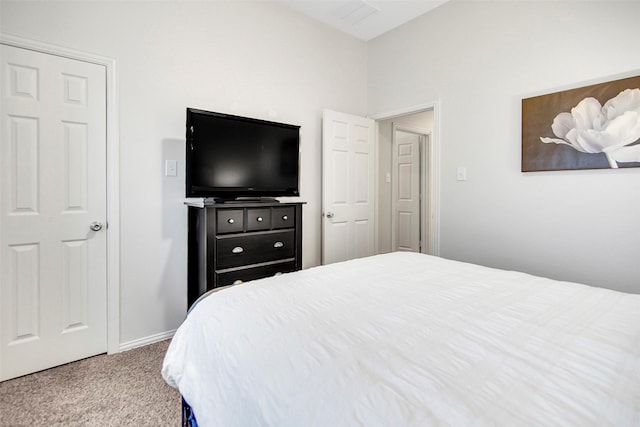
{"type": "Point", "coordinates": [96, 226]}
{"type": "Point", "coordinates": [330, 214]}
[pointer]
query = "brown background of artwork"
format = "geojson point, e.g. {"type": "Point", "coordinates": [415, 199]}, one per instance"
{"type": "Point", "coordinates": [537, 116]}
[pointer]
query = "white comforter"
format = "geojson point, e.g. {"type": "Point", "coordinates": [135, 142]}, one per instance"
{"type": "Point", "coordinates": [406, 339]}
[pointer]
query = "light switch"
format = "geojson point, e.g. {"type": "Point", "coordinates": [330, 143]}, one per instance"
{"type": "Point", "coordinates": [171, 168]}
{"type": "Point", "coordinates": [462, 174]}
{"type": "Point", "coordinates": [387, 177]}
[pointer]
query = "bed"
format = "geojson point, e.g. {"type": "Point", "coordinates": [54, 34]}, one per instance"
{"type": "Point", "coordinates": [406, 339]}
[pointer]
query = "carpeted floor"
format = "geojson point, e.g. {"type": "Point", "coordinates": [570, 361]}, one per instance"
{"type": "Point", "coordinates": [124, 389]}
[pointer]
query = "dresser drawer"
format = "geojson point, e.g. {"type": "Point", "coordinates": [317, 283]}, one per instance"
{"type": "Point", "coordinates": [235, 251]}
{"type": "Point", "coordinates": [258, 219]}
{"type": "Point", "coordinates": [230, 220]}
{"type": "Point", "coordinates": [284, 217]}
{"type": "Point", "coordinates": [245, 274]}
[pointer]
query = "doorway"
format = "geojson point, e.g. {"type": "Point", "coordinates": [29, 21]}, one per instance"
{"type": "Point", "coordinates": [409, 189]}
{"type": "Point", "coordinates": [419, 123]}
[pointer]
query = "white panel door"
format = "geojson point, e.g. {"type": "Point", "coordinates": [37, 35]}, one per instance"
{"type": "Point", "coordinates": [348, 179]}
{"type": "Point", "coordinates": [53, 187]}
{"type": "Point", "coordinates": [405, 192]}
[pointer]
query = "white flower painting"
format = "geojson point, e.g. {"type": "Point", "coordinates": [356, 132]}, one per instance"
{"type": "Point", "coordinates": [612, 129]}
{"type": "Point", "coordinates": [589, 127]}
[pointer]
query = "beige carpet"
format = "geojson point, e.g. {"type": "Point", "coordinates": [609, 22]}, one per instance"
{"type": "Point", "coordinates": [124, 389]}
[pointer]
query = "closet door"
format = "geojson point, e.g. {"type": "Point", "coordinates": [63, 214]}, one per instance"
{"type": "Point", "coordinates": [52, 211]}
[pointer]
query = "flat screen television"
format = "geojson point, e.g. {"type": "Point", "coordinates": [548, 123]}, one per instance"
{"type": "Point", "coordinates": [236, 158]}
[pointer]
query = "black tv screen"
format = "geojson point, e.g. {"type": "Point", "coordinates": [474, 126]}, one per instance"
{"type": "Point", "coordinates": [230, 157]}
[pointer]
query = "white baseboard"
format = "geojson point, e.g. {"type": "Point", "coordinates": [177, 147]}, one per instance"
{"type": "Point", "coordinates": [146, 340]}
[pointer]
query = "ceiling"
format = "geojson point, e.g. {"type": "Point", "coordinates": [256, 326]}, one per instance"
{"type": "Point", "coordinates": [363, 19]}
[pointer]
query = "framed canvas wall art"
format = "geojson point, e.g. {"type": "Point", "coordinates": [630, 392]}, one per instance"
{"type": "Point", "coordinates": [590, 127]}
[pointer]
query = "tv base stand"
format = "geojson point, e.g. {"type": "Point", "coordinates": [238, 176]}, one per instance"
{"type": "Point", "coordinates": [248, 199]}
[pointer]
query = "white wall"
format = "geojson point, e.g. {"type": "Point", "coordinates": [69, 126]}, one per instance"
{"type": "Point", "coordinates": [255, 59]}
{"type": "Point", "coordinates": [480, 58]}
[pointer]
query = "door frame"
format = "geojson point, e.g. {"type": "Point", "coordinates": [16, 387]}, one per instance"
{"type": "Point", "coordinates": [424, 144]}
{"type": "Point", "coordinates": [434, 169]}
{"type": "Point", "coordinates": [113, 165]}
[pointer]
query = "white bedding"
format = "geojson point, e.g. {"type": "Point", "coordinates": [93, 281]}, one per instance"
{"type": "Point", "coordinates": [406, 339]}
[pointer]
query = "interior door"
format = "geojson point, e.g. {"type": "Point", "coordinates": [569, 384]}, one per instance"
{"type": "Point", "coordinates": [348, 178]}
{"type": "Point", "coordinates": [52, 211]}
{"type": "Point", "coordinates": [405, 192]}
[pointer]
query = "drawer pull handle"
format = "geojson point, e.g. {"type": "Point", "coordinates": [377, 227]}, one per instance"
{"type": "Point", "coordinates": [237, 282]}
{"type": "Point", "coordinates": [284, 217]}
{"type": "Point", "coordinates": [278, 244]}
{"type": "Point", "coordinates": [259, 219]}
{"type": "Point", "coordinates": [237, 250]}
{"type": "Point", "coordinates": [230, 221]}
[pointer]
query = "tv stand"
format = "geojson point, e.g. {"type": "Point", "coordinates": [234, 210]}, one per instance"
{"type": "Point", "coordinates": [254, 200]}
{"type": "Point", "coordinates": [231, 243]}
{"type": "Point", "coordinates": [242, 199]}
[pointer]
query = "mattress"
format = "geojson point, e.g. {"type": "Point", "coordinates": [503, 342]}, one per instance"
{"type": "Point", "coordinates": [406, 339]}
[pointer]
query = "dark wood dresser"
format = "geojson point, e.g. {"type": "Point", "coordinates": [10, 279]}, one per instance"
{"type": "Point", "coordinates": [230, 243]}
